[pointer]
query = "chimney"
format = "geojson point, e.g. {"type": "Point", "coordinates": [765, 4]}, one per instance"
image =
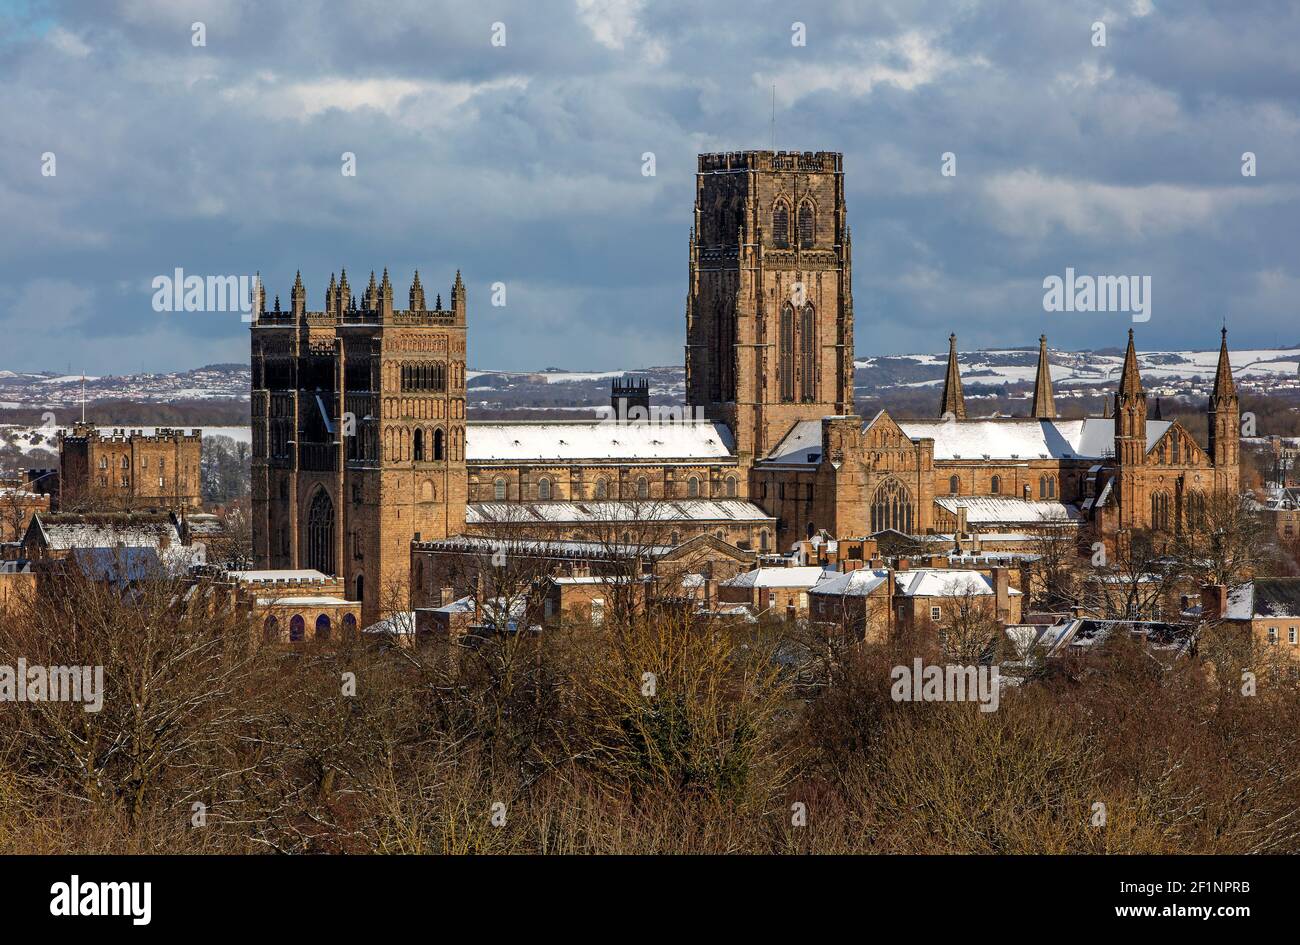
{"type": "Point", "coordinates": [1214, 601]}
{"type": "Point", "coordinates": [961, 520]}
{"type": "Point", "coordinates": [1002, 594]}
{"type": "Point", "coordinates": [904, 564]}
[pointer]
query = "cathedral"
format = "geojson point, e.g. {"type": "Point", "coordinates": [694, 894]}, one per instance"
{"type": "Point", "coordinates": [361, 444]}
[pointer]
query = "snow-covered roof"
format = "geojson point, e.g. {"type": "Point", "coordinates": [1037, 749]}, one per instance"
{"type": "Point", "coordinates": [778, 577]}
{"type": "Point", "coordinates": [802, 446]}
{"type": "Point", "coordinates": [695, 440]}
{"type": "Point", "coordinates": [278, 576]}
{"type": "Point", "coordinates": [943, 582]}
{"type": "Point", "coordinates": [668, 510]}
{"type": "Point", "coordinates": [1265, 598]}
{"type": "Point", "coordinates": [90, 532]}
{"type": "Point", "coordinates": [321, 600]}
{"type": "Point", "coordinates": [556, 548]}
{"type": "Point", "coordinates": [989, 509]}
{"type": "Point", "coordinates": [1024, 439]}
{"type": "Point", "coordinates": [857, 583]}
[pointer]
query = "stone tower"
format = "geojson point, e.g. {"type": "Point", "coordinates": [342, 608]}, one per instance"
{"type": "Point", "coordinates": [769, 306]}
{"type": "Point", "coordinates": [1130, 438]}
{"type": "Point", "coordinates": [358, 434]}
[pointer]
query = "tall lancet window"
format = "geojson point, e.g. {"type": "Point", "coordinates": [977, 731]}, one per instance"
{"type": "Point", "coordinates": [786, 365]}
{"type": "Point", "coordinates": [807, 227]}
{"type": "Point", "coordinates": [808, 352]}
{"type": "Point", "coordinates": [781, 225]}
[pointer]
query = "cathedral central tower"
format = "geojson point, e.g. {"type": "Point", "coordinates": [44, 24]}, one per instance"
{"type": "Point", "coordinates": [769, 308]}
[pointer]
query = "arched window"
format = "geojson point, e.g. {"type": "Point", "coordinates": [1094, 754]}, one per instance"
{"type": "Point", "coordinates": [428, 491]}
{"type": "Point", "coordinates": [602, 489]}
{"type": "Point", "coordinates": [785, 364]}
{"type": "Point", "coordinates": [1195, 509]}
{"type": "Point", "coordinates": [731, 487]}
{"type": "Point", "coordinates": [271, 629]}
{"type": "Point", "coordinates": [762, 540]}
{"type": "Point", "coordinates": [675, 538]}
{"type": "Point", "coordinates": [693, 488]}
{"type": "Point", "coordinates": [350, 627]}
{"type": "Point", "coordinates": [1051, 487]}
{"type": "Point", "coordinates": [807, 226]}
{"type": "Point", "coordinates": [361, 587]}
{"type": "Point", "coordinates": [439, 448]}
{"type": "Point", "coordinates": [439, 377]}
{"type": "Point", "coordinates": [1176, 444]}
{"type": "Point", "coordinates": [891, 507]}
{"type": "Point", "coordinates": [1160, 511]}
{"type": "Point", "coordinates": [642, 488]}
{"type": "Point", "coordinates": [954, 485]}
{"type": "Point", "coordinates": [781, 225]}
{"type": "Point", "coordinates": [808, 348]}
{"type": "Point", "coordinates": [499, 489]}
{"type": "Point", "coordinates": [544, 489]}
{"type": "Point", "coordinates": [126, 462]}
{"type": "Point", "coordinates": [419, 445]}
{"type": "Point", "coordinates": [103, 462]}
{"type": "Point", "coordinates": [1042, 487]}
{"type": "Point", "coordinates": [297, 628]}
{"type": "Point", "coordinates": [320, 533]}
{"type": "Point", "coordinates": [323, 627]}
{"type": "Point", "coordinates": [996, 485]}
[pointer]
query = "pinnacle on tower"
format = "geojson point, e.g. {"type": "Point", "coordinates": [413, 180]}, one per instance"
{"type": "Point", "coordinates": [1224, 387]}
{"type": "Point", "coordinates": [417, 293]}
{"type": "Point", "coordinates": [1130, 382]}
{"type": "Point", "coordinates": [1044, 407]}
{"type": "Point", "coordinates": [954, 403]}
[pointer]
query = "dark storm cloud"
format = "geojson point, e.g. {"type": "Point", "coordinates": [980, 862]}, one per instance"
{"type": "Point", "coordinates": [523, 164]}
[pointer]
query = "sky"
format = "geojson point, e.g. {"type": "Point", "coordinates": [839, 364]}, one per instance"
{"type": "Point", "coordinates": [506, 139]}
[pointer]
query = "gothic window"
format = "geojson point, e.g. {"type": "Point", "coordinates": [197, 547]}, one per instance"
{"type": "Point", "coordinates": [785, 366]}
{"type": "Point", "coordinates": [1051, 487]}
{"type": "Point", "coordinates": [103, 462]}
{"type": "Point", "coordinates": [781, 225]}
{"type": "Point", "coordinates": [807, 232]}
{"type": "Point", "coordinates": [602, 489]}
{"type": "Point", "coordinates": [1160, 511]}
{"type": "Point", "coordinates": [762, 540]}
{"type": "Point", "coordinates": [693, 488]}
{"type": "Point", "coordinates": [995, 486]}
{"type": "Point", "coordinates": [891, 507]}
{"type": "Point", "coordinates": [954, 485]}
{"type": "Point", "coordinates": [438, 448]}
{"type": "Point", "coordinates": [1042, 487]}
{"type": "Point", "coordinates": [1195, 510]}
{"type": "Point", "coordinates": [126, 462]}
{"type": "Point", "coordinates": [499, 490]}
{"type": "Point", "coordinates": [361, 592]}
{"type": "Point", "coordinates": [808, 347]}
{"type": "Point", "coordinates": [320, 533]}
{"type": "Point", "coordinates": [1177, 451]}
{"type": "Point", "coordinates": [642, 488]}
{"type": "Point", "coordinates": [731, 487]}
{"type": "Point", "coordinates": [419, 446]}
{"type": "Point", "coordinates": [544, 490]}
{"type": "Point", "coordinates": [439, 377]}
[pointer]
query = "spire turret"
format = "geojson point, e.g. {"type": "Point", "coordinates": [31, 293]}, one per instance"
{"type": "Point", "coordinates": [1044, 407]}
{"type": "Point", "coordinates": [953, 403]}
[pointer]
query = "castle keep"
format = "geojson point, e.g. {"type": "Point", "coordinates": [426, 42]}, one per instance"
{"type": "Point", "coordinates": [361, 444]}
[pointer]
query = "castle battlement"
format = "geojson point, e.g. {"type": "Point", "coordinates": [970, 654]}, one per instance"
{"type": "Point", "coordinates": [823, 161]}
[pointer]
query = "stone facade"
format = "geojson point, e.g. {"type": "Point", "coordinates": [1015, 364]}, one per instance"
{"type": "Point", "coordinates": [128, 468]}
